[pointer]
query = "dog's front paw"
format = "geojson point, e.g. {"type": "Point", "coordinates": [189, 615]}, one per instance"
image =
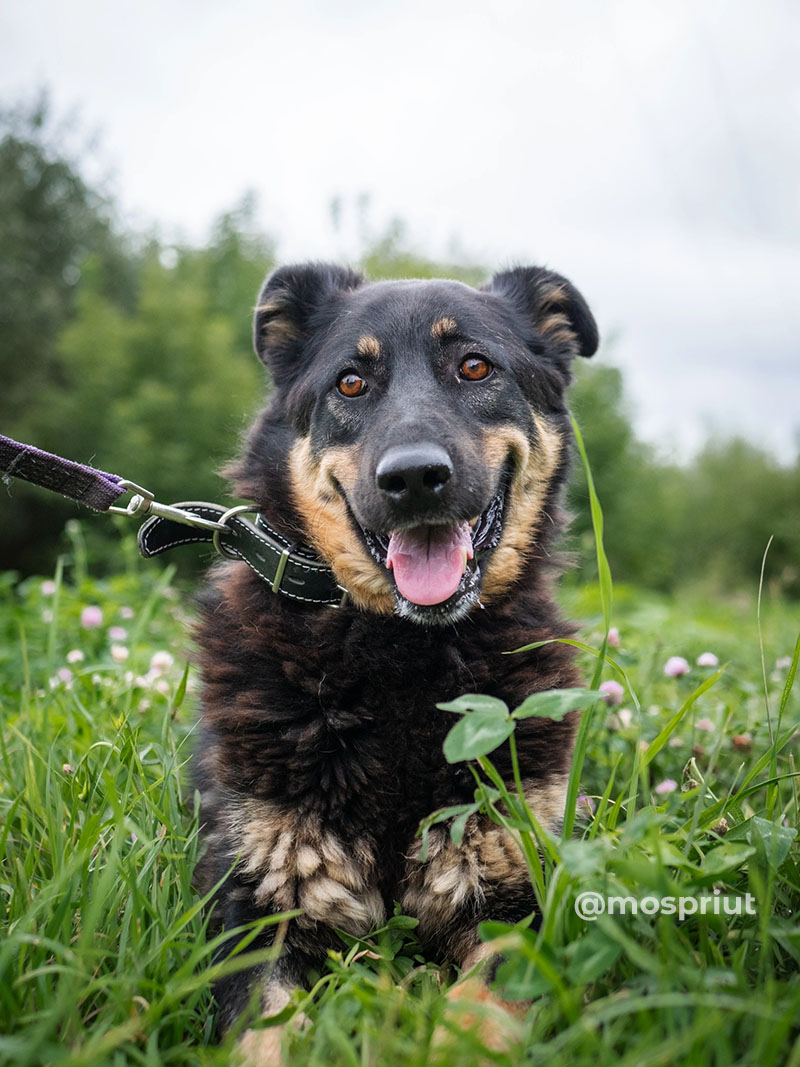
{"type": "Point", "coordinates": [472, 1006]}
{"type": "Point", "coordinates": [263, 1047]}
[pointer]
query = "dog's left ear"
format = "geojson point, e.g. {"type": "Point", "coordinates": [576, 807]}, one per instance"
{"type": "Point", "coordinates": [554, 306]}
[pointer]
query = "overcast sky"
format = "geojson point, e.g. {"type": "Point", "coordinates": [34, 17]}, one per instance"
{"type": "Point", "coordinates": [648, 150]}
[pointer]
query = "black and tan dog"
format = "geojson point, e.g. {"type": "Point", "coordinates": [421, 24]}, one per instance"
{"type": "Point", "coordinates": [417, 439]}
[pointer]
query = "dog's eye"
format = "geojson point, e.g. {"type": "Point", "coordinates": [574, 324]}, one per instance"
{"type": "Point", "coordinates": [351, 384]}
{"type": "Point", "coordinates": [475, 369]}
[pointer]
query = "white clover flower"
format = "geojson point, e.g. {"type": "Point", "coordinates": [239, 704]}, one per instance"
{"type": "Point", "coordinates": [161, 662]}
{"type": "Point", "coordinates": [625, 716]}
{"type": "Point", "coordinates": [612, 692]}
{"type": "Point", "coordinates": [676, 666]}
{"type": "Point", "coordinates": [669, 785]}
{"type": "Point", "coordinates": [63, 676]}
{"type": "Point", "coordinates": [91, 617]}
{"type": "Point", "coordinates": [707, 659]}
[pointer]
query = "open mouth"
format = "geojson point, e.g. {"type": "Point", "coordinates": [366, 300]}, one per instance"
{"type": "Point", "coordinates": [436, 567]}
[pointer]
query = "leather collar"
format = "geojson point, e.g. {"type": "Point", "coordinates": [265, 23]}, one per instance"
{"type": "Point", "coordinates": [290, 570]}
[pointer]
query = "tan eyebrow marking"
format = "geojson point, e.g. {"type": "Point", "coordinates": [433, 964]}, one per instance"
{"type": "Point", "coordinates": [444, 327]}
{"type": "Point", "coordinates": [368, 345]}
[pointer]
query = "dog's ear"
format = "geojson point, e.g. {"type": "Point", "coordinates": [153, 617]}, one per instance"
{"type": "Point", "coordinates": [288, 309]}
{"type": "Point", "coordinates": [554, 306]}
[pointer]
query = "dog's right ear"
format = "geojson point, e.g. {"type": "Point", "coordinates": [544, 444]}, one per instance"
{"type": "Point", "coordinates": [554, 306]}
{"type": "Point", "coordinates": [288, 306]}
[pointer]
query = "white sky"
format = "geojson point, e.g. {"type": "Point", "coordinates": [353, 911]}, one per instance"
{"type": "Point", "coordinates": [648, 150]}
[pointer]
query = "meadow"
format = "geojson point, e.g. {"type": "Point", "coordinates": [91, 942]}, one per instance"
{"type": "Point", "coordinates": [684, 787]}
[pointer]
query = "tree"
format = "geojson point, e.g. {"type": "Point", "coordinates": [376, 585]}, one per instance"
{"type": "Point", "coordinates": [738, 496]}
{"type": "Point", "coordinates": [51, 221]}
{"type": "Point", "coordinates": [115, 351]}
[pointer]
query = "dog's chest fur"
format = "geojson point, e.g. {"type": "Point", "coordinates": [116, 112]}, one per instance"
{"type": "Point", "coordinates": [333, 715]}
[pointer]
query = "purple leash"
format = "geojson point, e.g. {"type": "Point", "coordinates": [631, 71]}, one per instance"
{"type": "Point", "coordinates": [86, 485]}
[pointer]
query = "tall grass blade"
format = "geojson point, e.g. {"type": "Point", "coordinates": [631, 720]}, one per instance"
{"type": "Point", "coordinates": [604, 580]}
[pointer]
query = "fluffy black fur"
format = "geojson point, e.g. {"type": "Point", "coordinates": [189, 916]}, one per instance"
{"type": "Point", "coordinates": [321, 724]}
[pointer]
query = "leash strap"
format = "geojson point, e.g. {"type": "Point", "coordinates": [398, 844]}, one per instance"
{"type": "Point", "coordinates": [293, 571]}
{"type": "Point", "coordinates": [86, 485]}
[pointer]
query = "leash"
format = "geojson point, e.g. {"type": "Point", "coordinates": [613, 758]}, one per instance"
{"type": "Point", "coordinates": [290, 569]}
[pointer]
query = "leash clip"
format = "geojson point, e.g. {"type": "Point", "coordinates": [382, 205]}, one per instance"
{"type": "Point", "coordinates": [143, 503]}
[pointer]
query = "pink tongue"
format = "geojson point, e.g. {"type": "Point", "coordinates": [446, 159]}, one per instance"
{"type": "Point", "coordinates": [429, 561]}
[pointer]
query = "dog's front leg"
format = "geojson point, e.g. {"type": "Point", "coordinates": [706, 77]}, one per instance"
{"type": "Point", "coordinates": [451, 892]}
{"type": "Point", "coordinates": [263, 1046]}
{"type": "Point", "coordinates": [456, 887]}
{"type": "Point", "coordinates": [288, 861]}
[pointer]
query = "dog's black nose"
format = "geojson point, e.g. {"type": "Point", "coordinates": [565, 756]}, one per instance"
{"type": "Point", "coordinates": [414, 475]}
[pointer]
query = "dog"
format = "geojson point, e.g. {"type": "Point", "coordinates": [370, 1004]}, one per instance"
{"type": "Point", "coordinates": [418, 441]}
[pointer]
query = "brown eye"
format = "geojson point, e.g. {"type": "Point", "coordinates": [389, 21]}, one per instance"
{"type": "Point", "coordinates": [475, 369]}
{"type": "Point", "coordinates": [352, 384]}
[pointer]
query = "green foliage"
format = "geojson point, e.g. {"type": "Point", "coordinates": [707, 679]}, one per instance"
{"type": "Point", "coordinates": [739, 489]}
{"type": "Point", "coordinates": [388, 255]}
{"type": "Point", "coordinates": [699, 848]}
{"type": "Point", "coordinates": [103, 938]}
{"type": "Point", "coordinates": [157, 389]}
{"type": "Point", "coordinates": [50, 222]}
{"type": "Point", "coordinates": [671, 526]}
{"type": "Point", "coordinates": [487, 722]}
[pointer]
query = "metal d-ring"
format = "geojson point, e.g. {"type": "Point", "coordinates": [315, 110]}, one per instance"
{"type": "Point", "coordinates": [222, 521]}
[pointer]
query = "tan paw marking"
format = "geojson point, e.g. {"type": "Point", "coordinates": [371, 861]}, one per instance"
{"type": "Point", "coordinates": [302, 865]}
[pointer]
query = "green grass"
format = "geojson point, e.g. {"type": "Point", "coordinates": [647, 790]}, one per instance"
{"type": "Point", "coordinates": [103, 950]}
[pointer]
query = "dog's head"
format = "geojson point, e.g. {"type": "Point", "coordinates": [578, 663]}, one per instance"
{"type": "Point", "coordinates": [423, 426]}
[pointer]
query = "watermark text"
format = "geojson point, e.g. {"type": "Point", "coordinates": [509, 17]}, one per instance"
{"type": "Point", "coordinates": [591, 905]}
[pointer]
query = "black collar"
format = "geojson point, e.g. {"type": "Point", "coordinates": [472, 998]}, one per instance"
{"type": "Point", "coordinates": [292, 570]}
